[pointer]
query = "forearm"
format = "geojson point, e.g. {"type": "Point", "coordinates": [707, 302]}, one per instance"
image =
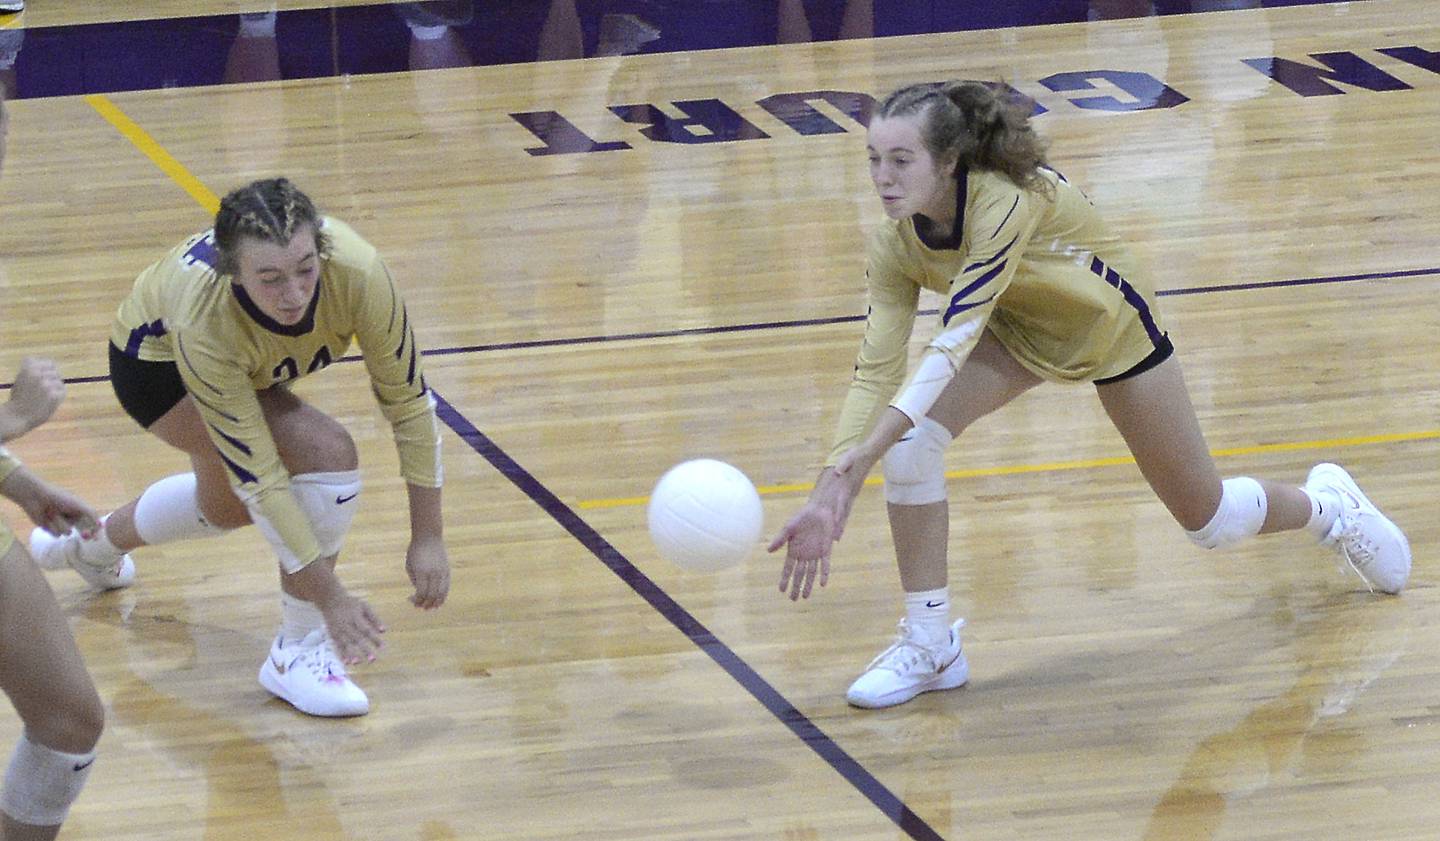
{"type": "Point", "coordinates": [891, 427]}
{"type": "Point", "coordinates": [427, 520]}
{"type": "Point", "coordinates": [12, 424]}
{"type": "Point", "coordinates": [18, 484]}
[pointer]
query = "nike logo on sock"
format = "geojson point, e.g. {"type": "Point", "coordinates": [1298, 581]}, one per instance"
{"type": "Point", "coordinates": [341, 500]}
{"type": "Point", "coordinates": [934, 604]}
{"type": "Point", "coordinates": [81, 766]}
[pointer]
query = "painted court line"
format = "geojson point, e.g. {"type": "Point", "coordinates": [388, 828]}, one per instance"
{"type": "Point", "coordinates": [805, 729]}
{"type": "Point", "coordinates": [1083, 464]}
{"type": "Point", "coordinates": [154, 151]}
{"type": "Point", "coordinates": [747, 677]}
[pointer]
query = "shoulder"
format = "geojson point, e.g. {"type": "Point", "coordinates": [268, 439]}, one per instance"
{"type": "Point", "coordinates": [997, 207]}
{"type": "Point", "coordinates": [987, 187]}
{"type": "Point", "coordinates": [348, 250]}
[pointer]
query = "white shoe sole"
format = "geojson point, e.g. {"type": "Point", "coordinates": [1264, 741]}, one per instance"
{"type": "Point", "coordinates": [953, 676]}
{"type": "Point", "coordinates": [270, 679]}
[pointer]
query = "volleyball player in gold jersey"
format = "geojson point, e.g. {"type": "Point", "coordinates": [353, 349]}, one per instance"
{"type": "Point", "coordinates": [1037, 288]}
{"type": "Point", "coordinates": [202, 353]}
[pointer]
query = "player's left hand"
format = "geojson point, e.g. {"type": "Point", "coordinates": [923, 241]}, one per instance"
{"type": "Point", "coordinates": [428, 566]}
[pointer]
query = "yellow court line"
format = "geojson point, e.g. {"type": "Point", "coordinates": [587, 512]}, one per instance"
{"type": "Point", "coordinates": [155, 152]}
{"type": "Point", "coordinates": [1051, 467]}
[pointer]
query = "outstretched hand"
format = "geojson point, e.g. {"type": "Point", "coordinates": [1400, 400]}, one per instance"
{"type": "Point", "coordinates": [807, 539]}
{"type": "Point", "coordinates": [810, 534]}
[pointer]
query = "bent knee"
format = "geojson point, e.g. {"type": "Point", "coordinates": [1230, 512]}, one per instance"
{"type": "Point", "coordinates": [1239, 516]}
{"type": "Point", "coordinates": [329, 449]}
{"type": "Point", "coordinates": [73, 725]}
{"type": "Point", "coordinates": [308, 440]}
{"type": "Point", "coordinates": [914, 466]}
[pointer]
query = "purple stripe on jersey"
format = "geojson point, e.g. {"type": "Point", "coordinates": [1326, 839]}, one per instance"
{"type": "Point", "coordinates": [155, 328]}
{"type": "Point", "coordinates": [956, 306]}
{"type": "Point", "coordinates": [1132, 297]}
{"type": "Point", "coordinates": [404, 331]}
{"type": "Point", "coordinates": [956, 309]}
{"type": "Point", "coordinates": [245, 476]}
{"type": "Point", "coordinates": [231, 440]}
{"type": "Point", "coordinates": [197, 399]}
{"type": "Point", "coordinates": [806, 730]}
{"type": "Point", "coordinates": [1014, 205]}
{"type": "Point", "coordinates": [180, 344]}
{"type": "Point", "coordinates": [999, 254]}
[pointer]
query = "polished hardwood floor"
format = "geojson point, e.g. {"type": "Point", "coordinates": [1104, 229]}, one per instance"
{"type": "Point", "coordinates": [596, 317]}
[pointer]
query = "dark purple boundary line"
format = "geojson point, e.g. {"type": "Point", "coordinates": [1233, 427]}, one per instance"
{"type": "Point", "coordinates": [840, 319]}
{"type": "Point", "coordinates": [1304, 281]}
{"type": "Point", "coordinates": [807, 731]}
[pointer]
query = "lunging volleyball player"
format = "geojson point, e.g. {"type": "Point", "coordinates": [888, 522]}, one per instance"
{"type": "Point", "coordinates": [1037, 288]}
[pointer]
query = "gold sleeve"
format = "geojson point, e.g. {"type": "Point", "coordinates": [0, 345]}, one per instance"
{"type": "Point", "coordinates": [880, 365]}
{"type": "Point", "coordinates": [230, 408]}
{"type": "Point", "coordinates": [387, 343]}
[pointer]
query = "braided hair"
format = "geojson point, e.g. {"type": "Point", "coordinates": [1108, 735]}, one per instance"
{"type": "Point", "coordinates": [270, 210]}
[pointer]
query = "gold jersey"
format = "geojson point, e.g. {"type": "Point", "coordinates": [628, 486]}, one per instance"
{"type": "Point", "coordinates": [182, 310]}
{"type": "Point", "coordinates": [1039, 269]}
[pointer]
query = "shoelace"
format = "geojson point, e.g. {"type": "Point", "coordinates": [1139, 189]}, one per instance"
{"type": "Point", "coordinates": [904, 654]}
{"type": "Point", "coordinates": [1357, 551]}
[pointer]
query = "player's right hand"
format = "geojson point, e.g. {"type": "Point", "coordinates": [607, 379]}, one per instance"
{"type": "Point", "coordinates": [354, 628]}
{"type": "Point", "coordinates": [807, 539]}
{"type": "Point", "coordinates": [37, 392]}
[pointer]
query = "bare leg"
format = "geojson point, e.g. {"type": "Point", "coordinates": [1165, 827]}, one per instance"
{"type": "Point", "coordinates": [1154, 415]}
{"type": "Point", "coordinates": [42, 672]}
{"type": "Point", "coordinates": [989, 379]}
{"type": "Point", "coordinates": [308, 440]}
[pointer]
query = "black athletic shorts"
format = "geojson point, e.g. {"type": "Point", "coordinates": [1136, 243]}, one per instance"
{"type": "Point", "coordinates": [1163, 351]}
{"type": "Point", "coordinates": [147, 390]}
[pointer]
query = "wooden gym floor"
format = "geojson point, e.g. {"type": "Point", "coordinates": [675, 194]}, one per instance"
{"type": "Point", "coordinates": [695, 289]}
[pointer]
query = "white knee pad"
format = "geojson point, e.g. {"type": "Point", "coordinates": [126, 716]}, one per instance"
{"type": "Point", "coordinates": [1240, 515]}
{"type": "Point", "coordinates": [915, 466]}
{"type": "Point", "coordinates": [169, 510]}
{"type": "Point", "coordinates": [329, 501]}
{"type": "Point", "coordinates": [41, 783]}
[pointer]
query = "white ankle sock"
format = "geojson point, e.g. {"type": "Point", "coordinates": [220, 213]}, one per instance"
{"type": "Point", "coordinates": [928, 614]}
{"type": "Point", "coordinates": [98, 551]}
{"type": "Point", "coordinates": [298, 618]}
{"type": "Point", "coordinates": [1324, 508]}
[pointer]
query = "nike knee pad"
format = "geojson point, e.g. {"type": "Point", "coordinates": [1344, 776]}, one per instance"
{"type": "Point", "coordinates": [915, 466]}
{"type": "Point", "coordinates": [1240, 515]}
